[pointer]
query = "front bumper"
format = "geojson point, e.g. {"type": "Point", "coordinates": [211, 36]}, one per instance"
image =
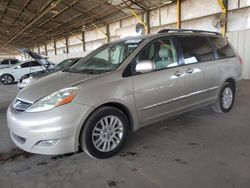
{"type": "Point", "coordinates": [62, 123]}
{"type": "Point", "coordinates": [21, 85]}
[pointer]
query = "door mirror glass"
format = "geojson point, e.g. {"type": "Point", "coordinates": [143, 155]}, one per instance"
{"type": "Point", "coordinates": [145, 66]}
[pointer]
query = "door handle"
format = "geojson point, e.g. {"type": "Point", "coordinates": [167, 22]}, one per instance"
{"type": "Point", "coordinates": [178, 73]}
{"type": "Point", "coordinates": [189, 70]}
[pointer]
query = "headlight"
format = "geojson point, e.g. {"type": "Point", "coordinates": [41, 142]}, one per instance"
{"type": "Point", "coordinates": [53, 100]}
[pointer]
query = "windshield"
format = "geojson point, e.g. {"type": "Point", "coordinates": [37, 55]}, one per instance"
{"type": "Point", "coordinates": [66, 64]}
{"type": "Point", "coordinates": [106, 58]}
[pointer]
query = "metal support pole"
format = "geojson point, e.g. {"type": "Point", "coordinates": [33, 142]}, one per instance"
{"type": "Point", "coordinates": [46, 51]}
{"type": "Point", "coordinates": [147, 21]}
{"type": "Point", "coordinates": [38, 50]}
{"type": "Point", "coordinates": [67, 45]}
{"type": "Point", "coordinates": [108, 33]}
{"type": "Point", "coordinates": [178, 7]}
{"type": "Point", "coordinates": [83, 42]}
{"type": "Point", "coordinates": [55, 47]}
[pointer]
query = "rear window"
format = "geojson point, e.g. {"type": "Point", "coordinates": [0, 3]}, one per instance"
{"type": "Point", "coordinates": [222, 47]}
{"type": "Point", "coordinates": [196, 49]}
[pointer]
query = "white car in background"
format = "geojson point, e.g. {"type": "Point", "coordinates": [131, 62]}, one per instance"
{"type": "Point", "coordinates": [6, 63]}
{"type": "Point", "coordinates": [14, 73]}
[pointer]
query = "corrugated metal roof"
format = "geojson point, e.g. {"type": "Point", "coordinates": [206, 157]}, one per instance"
{"type": "Point", "coordinates": [25, 23]}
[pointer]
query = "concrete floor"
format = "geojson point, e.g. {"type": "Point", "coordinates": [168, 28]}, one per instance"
{"type": "Point", "coordinates": [200, 149]}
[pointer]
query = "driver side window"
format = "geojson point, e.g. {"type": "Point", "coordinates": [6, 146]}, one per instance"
{"type": "Point", "coordinates": [161, 52]}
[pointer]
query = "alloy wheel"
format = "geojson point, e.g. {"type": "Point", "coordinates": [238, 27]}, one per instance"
{"type": "Point", "coordinates": [227, 98]}
{"type": "Point", "coordinates": [6, 79]}
{"type": "Point", "coordinates": [107, 133]}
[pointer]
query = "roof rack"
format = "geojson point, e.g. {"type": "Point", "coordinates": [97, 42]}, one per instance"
{"type": "Point", "coordinates": [188, 30]}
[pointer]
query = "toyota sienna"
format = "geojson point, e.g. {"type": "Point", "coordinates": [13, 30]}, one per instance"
{"type": "Point", "coordinates": [121, 87]}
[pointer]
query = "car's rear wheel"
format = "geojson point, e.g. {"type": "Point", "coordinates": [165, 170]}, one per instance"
{"type": "Point", "coordinates": [7, 79]}
{"type": "Point", "coordinates": [104, 133]}
{"type": "Point", "coordinates": [225, 100]}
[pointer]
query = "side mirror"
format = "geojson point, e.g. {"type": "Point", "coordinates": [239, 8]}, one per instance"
{"type": "Point", "coordinates": [145, 66]}
{"type": "Point", "coordinates": [18, 67]}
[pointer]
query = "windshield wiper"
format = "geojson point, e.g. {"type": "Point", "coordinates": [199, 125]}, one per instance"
{"type": "Point", "coordinates": [87, 71]}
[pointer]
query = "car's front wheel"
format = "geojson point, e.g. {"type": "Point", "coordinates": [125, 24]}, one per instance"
{"type": "Point", "coordinates": [226, 99]}
{"type": "Point", "coordinates": [7, 79]}
{"type": "Point", "coordinates": [104, 133]}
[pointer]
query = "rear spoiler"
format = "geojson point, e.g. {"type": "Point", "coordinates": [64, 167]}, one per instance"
{"type": "Point", "coordinates": [42, 60]}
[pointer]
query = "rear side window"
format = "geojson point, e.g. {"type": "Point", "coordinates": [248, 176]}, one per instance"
{"type": "Point", "coordinates": [224, 50]}
{"type": "Point", "coordinates": [196, 49]}
{"type": "Point", "coordinates": [13, 62]}
{"type": "Point", "coordinates": [5, 62]}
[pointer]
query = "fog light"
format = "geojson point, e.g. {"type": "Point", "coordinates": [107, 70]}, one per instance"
{"type": "Point", "coordinates": [47, 142]}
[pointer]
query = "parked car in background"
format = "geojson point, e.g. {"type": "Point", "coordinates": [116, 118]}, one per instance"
{"type": "Point", "coordinates": [31, 77]}
{"type": "Point", "coordinates": [5, 63]}
{"type": "Point", "coordinates": [15, 72]}
{"type": "Point", "coordinates": [123, 86]}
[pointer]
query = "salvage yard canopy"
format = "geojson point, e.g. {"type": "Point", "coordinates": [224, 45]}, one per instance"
{"type": "Point", "coordinates": [25, 23]}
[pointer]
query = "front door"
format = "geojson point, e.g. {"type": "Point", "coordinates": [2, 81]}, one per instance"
{"type": "Point", "coordinates": [159, 93]}
{"type": "Point", "coordinates": [35, 66]}
{"type": "Point", "coordinates": [21, 70]}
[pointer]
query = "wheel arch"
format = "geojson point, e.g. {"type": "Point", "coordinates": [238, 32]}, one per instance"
{"type": "Point", "coordinates": [117, 105]}
{"type": "Point", "coordinates": [125, 110]}
{"type": "Point", "coordinates": [232, 81]}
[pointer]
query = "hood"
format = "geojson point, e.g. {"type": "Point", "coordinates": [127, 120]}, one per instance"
{"type": "Point", "coordinates": [5, 70]}
{"type": "Point", "coordinates": [38, 74]}
{"type": "Point", "coordinates": [5, 67]}
{"type": "Point", "coordinates": [50, 84]}
{"type": "Point", "coordinates": [42, 60]}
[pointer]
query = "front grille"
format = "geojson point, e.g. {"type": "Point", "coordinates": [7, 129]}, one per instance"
{"type": "Point", "coordinates": [20, 105]}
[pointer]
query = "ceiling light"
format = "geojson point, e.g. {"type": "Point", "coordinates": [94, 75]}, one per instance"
{"type": "Point", "coordinates": [54, 11]}
{"type": "Point", "coordinates": [165, 2]}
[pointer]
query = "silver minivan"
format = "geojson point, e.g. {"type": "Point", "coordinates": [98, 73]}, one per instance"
{"type": "Point", "coordinates": [121, 87]}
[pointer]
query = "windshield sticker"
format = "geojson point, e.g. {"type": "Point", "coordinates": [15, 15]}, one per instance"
{"type": "Point", "coordinates": [133, 41]}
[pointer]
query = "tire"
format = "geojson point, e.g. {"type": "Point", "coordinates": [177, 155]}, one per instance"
{"type": "Point", "coordinates": [226, 98]}
{"type": "Point", "coordinates": [101, 141]}
{"type": "Point", "coordinates": [7, 79]}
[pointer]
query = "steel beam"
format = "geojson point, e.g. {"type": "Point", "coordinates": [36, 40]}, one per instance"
{"type": "Point", "coordinates": [5, 10]}
{"type": "Point", "coordinates": [43, 12]}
